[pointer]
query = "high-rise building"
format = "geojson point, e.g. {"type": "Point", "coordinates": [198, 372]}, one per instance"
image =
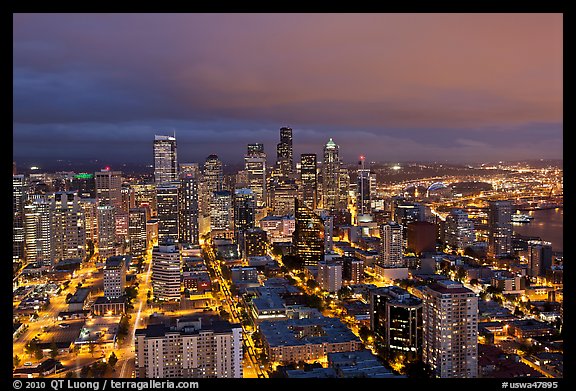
{"type": "Point", "coordinates": [165, 159]}
{"type": "Point", "coordinates": [352, 270]}
{"type": "Point", "coordinates": [109, 188]}
{"type": "Point", "coordinates": [190, 168]}
{"type": "Point", "coordinates": [107, 243]}
{"type": "Point", "coordinates": [89, 208]}
{"type": "Point", "coordinates": [137, 232]}
{"type": "Point", "coordinates": [68, 227]}
{"type": "Point", "coordinates": [499, 228]}
{"type": "Point", "coordinates": [396, 320]}
{"type": "Point", "coordinates": [84, 184]}
{"type": "Point", "coordinates": [19, 190]}
{"type": "Point", "coordinates": [285, 153]}
{"type": "Point", "coordinates": [188, 230]}
{"type": "Point", "coordinates": [255, 165]}
{"type": "Point", "coordinates": [539, 258]}
{"type": "Point", "coordinates": [200, 347]}
{"type": "Point", "coordinates": [213, 176]}
{"type": "Point", "coordinates": [145, 196]}
{"type": "Point", "coordinates": [308, 236]}
{"type": "Point", "coordinates": [166, 270]}
{"type": "Point", "coordinates": [459, 229]}
{"type": "Point", "coordinates": [38, 231]}
{"type": "Point", "coordinates": [331, 176]}
{"type": "Point", "coordinates": [450, 323]}
{"type": "Point", "coordinates": [244, 214]}
{"type": "Point", "coordinates": [309, 180]}
{"type": "Point", "coordinates": [221, 211]}
{"type": "Point", "coordinates": [391, 240]}
{"type": "Point", "coordinates": [114, 277]}
{"type": "Point", "coordinates": [365, 184]}
{"type": "Point", "coordinates": [283, 194]}
{"type": "Point", "coordinates": [167, 204]}
{"type": "Point", "coordinates": [330, 275]}
{"type": "Point", "coordinates": [255, 242]}
{"type": "Point", "coordinates": [128, 198]}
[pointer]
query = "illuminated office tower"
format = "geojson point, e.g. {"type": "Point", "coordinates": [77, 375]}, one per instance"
{"type": "Point", "coordinates": [188, 209]}
{"type": "Point", "coordinates": [309, 180]}
{"type": "Point", "coordinates": [68, 227]}
{"type": "Point", "coordinates": [191, 347]}
{"type": "Point", "coordinates": [255, 242]}
{"type": "Point", "coordinates": [283, 194]}
{"type": "Point", "coordinates": [190, 168]}
{"type": "Point", "coordinates": [145, 196]}
{"type": "Point", "coordinates": [137, 232]}
{"type": "Point", "coordinates": [38, 231]}
{"type": "Point", "coordinates": [221, 211]}
{"type": "Point", "coordinates": [128, 198]}
{"type": "Point", "coordinates": [499, 228]}
{"type": "Point", "coordinates": [19, 189]}
{"type": "Point", "coordinates": [308, 236]}
{"type": "Point", "coordinates": [213, 177]}
{"type": "Point", "coordinates": [166, 270]}
{"type": "Point", "coordinates": [459, 230]}
{"type": "Point", "coordinates": [114, 278]}
{"type": "Point", "coordinates": [396, 320]}
{"type": "Point", "coordinates": [450, 324]}
{"type": "Point", "coordinates": [331, 197]}
{"type": "Point", "coordinates": [391, 240]}
{"type": "Point", "coordinates": [365, 188]}
{"type": "Point", "coordinates": [89, 208]}
{"type": "Point", "coordinates": [539, 258]}
{"type": "Point", "coordinates": [255, 164]}
{"type": "Point", "coordinates": [167, 204]}
{"type": "Point", "coordinates": [244, 213]}
{"type": "Point", "coordinates": [109, 188]}
{"type": "Point", "coordinates": [285, 153]}
{"type": "Point", "coordinates": [165, 159]}
{"type": "Point", "coordinates": [107, 243]}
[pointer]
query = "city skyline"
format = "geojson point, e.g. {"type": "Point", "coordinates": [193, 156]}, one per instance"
{"type": "Point", "coordinates": [392, 87]}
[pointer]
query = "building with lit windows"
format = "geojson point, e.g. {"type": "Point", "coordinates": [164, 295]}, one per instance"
{"type": "Point", "coordinates": [309, 180]}
{"type": "Point", "coordinates": [167, 202]}
{"type": "Point", "coordinates": [145, 196]}
{"type": "Point", "coordinates": [137, 232]}
{"type": "Point", "coordinates": [244, 211]}
{"type": "Point", "coordinates": [450, 323]}
{"type": "Point", "coordinates": [255, 165]}
{"type": "Point", "coordinates": [285, 153]}
{"type": "Point", "coordinates": [396, 319]}
{"type": "Point", "coordinates": [188, 229]}
{"type": "Point", "coordinates": [19, 189]}
{"type": "Point", "coordinates": [499, 228]}
{"type": "Point", "coordinates": [539, 258]}
{"type": "Point", "coordinates": [38, 231]}
{"type": "Point", "coordinates": [109, 188]}
{"type": "Point", "coordinates": [165, 159]}
{"type": "Point", "coordinates": [166, 271]}
{"type": "Point", "coordinates": [459, 230]}
{"type": "Point", "coordinates": [68, 227]}
{"type": "Point", "coordinates": [391, 240]}
{"type": "Point", "coordinates": [191, 347]}
{"type": "Point", "coordinates": [308, 236]}
{"type": "Point", "coordinates": [278, 228]}
{"type": "Point", "coordinates": [221, 211]}
{"type": "Point", "coordinates": [330, 275]}
{"type": "Point", "coordinates": [114, 277]}
{"type": "Point", "coordinates": [213, 177]}
{"type": "Point", "coordinates": [331, 165]}
{"type": "Point", "coordinates": [107, 243]}
{"type": "Point", "coordinates": [255, 243]}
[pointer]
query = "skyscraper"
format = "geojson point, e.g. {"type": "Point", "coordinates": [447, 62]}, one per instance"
{"type": "Point", "coordinates": [167, 197]}
{"type": "Point", "coordinates": [213, 176]}
{"type": "Point", "coordinates": [68, 227]}
{"type": "Point", "coordinates": [221, 211]}
{"type": "Point", "coordinates": [188, 230]}
{"type": "Point", "coordinates": [114, 277]}
{"type": "Point", "coordinates": [330, 275]}
{"type": "Point", "coordinates": [285, 153]}
{"type": "Point", "coordinates": [18, 201]}
{"type": "Point", "coordinates": [308, 236]}
{"type": "Point", "coordinates": [331, 176]}
{"type": "Point", "coordinates": [396, 320]}
{"type": "Point", "coordinates": [309, 180]}
{"type": "Point", "coordinates": [165, 159]}
{"type": "Point", "coordinates": [244, 212]}
{"type": "Point", "coordinates": [539, 258]}
{"type": "Point", "coordinates": [459, 230]}
{"type": "Point", "coordinates": [391, 240]}
{"type": "Point", "coordinates": [500, 228]}
{"type": "Point", "coordinates": [166, 270]}
{"type": "Point", "coordinates": [364, 188]}
{"type": "Point", "coordinates": [38, 231]}
{"type": "Point", "coordinates": [255, 165]}
{"type": "Point", "coordinates": [109, 188]}
{"type": "Point", "coordinates": [137, 232]}
{"type": "Point", "coordinates": [450, 322]}
{"type": "Point", "coordinates": [107, 243]}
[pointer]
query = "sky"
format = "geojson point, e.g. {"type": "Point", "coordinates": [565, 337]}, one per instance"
{"type": "Point", "coordinates": [394, 87]}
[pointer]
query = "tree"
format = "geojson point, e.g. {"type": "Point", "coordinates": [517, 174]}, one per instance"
{"type": "Point", "coordinates": [16, 361]}
{"type": "Point", "coordinates": [53, 349]}
{"type": "Point", "coordinates": [112, 360]}
{"type": "Point", "coordinates": [38, 354]}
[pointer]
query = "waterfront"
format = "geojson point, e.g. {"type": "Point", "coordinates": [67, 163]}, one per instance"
{"type": "Point", "coordinates": [548, 224]}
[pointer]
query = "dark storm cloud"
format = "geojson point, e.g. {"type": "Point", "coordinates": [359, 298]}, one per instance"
{"type": "Point", "coordinates": [403, 86]}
